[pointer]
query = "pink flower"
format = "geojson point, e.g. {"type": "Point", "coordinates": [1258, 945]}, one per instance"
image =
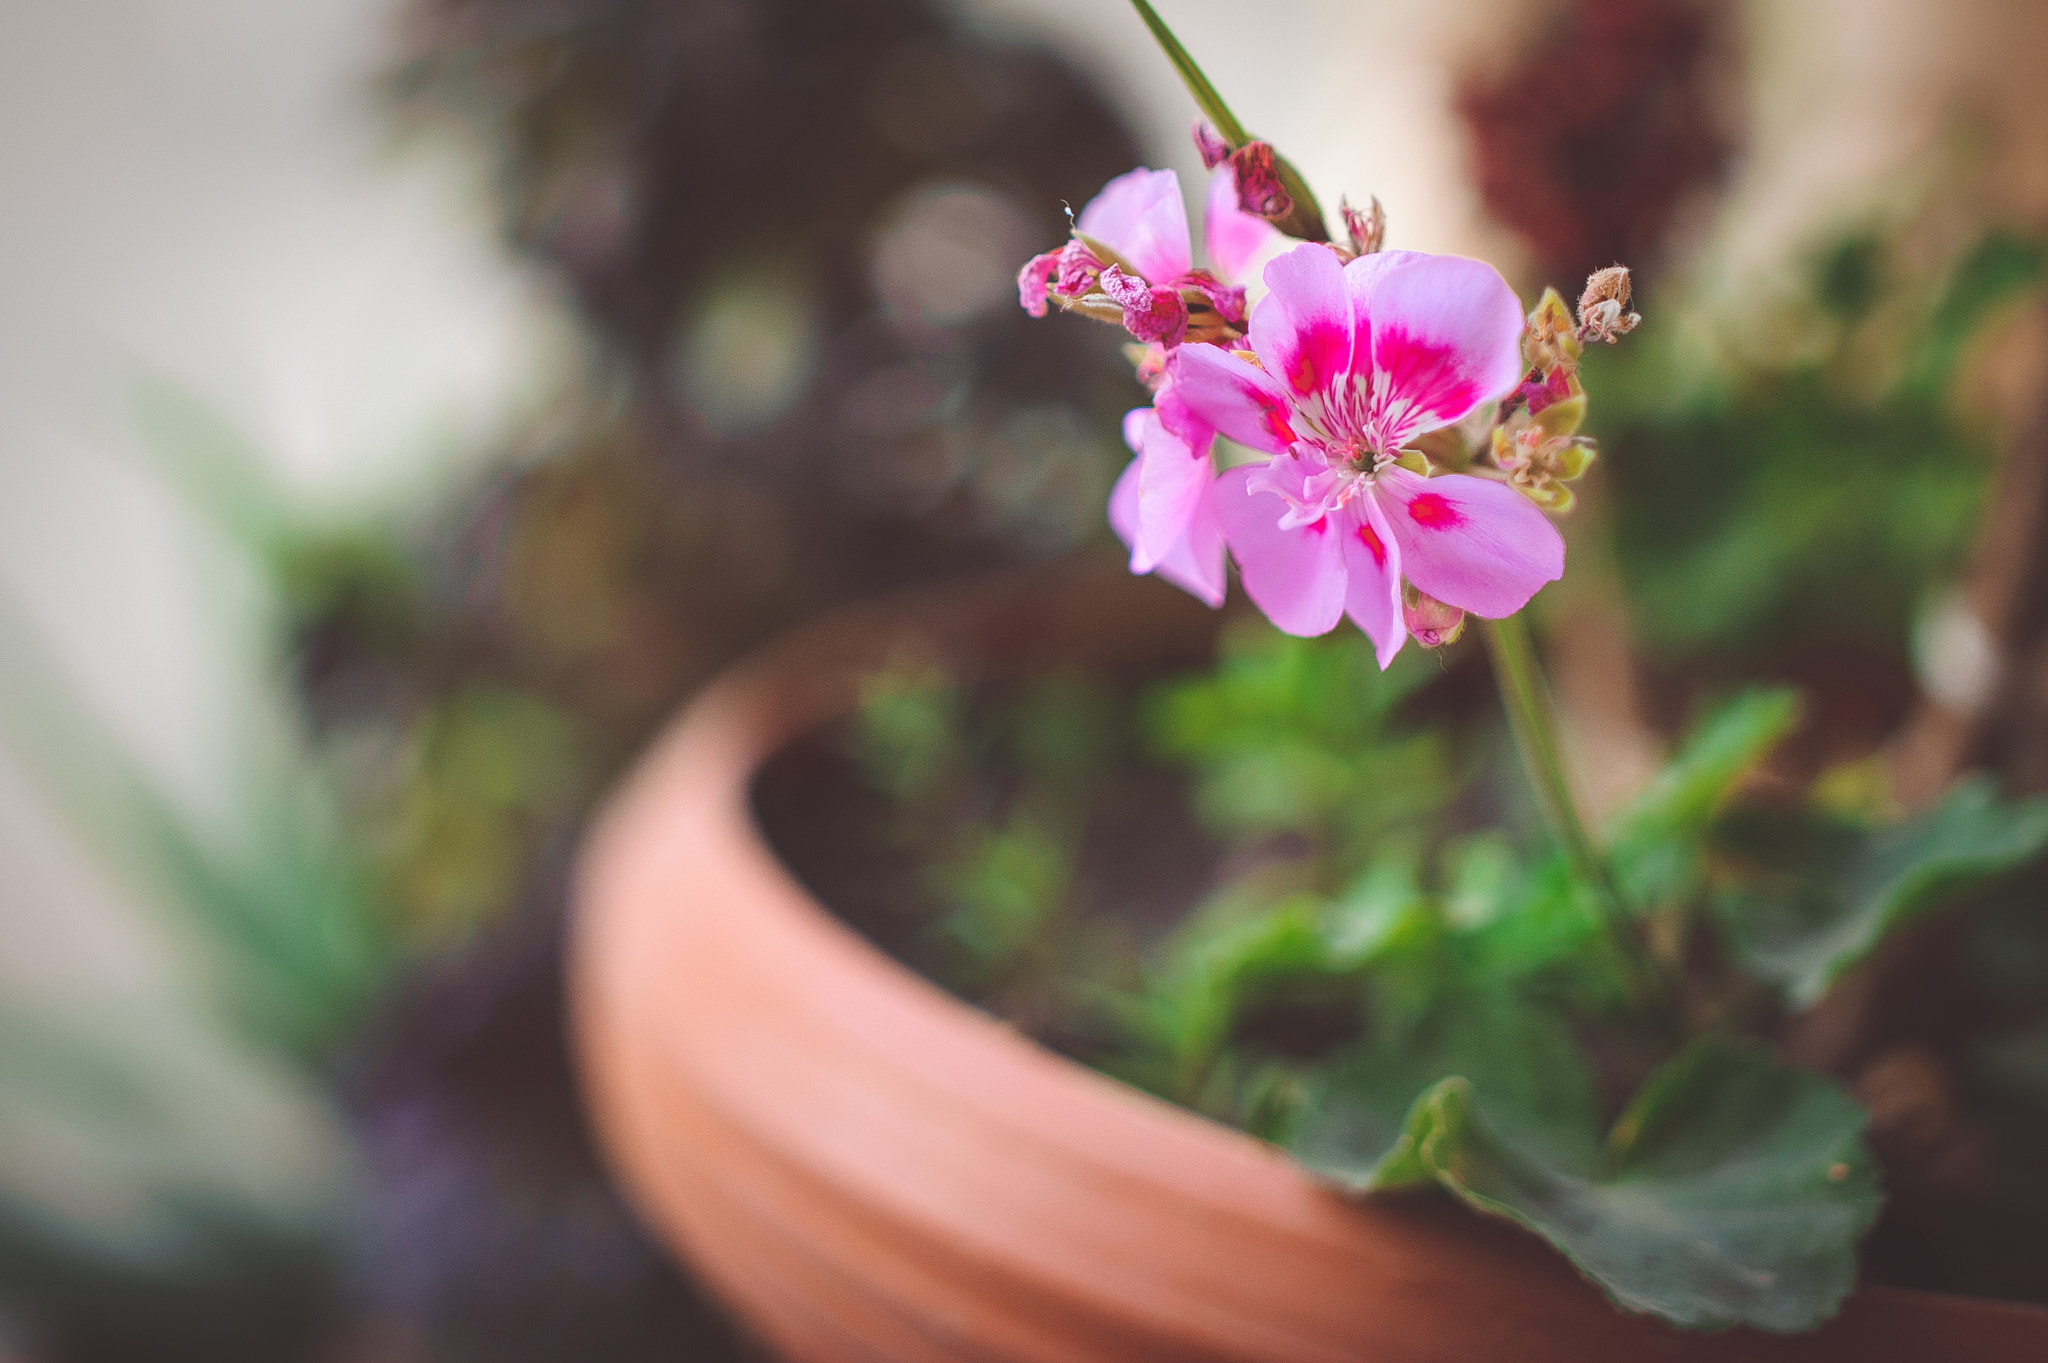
{"type": "Point", "coordinates": [1350, 362]}
{"type": "Point", "coordinates": [1163, 506]}
{"type": "Point", "coordinates": [1140, 219]}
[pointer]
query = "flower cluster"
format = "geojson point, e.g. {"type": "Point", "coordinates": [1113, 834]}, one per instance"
{"type": "Point", "coordinates": [1352, 354]}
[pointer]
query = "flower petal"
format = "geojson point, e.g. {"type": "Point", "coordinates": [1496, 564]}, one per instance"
{"type": "Point", "coordinates": [1295, 576]}
{"type": "Point", "coordinates": [1195, 562]}
{"type": "Point", "coordinates": [1301, 329]}
{"type": "Point", "coordinates": [1141, 216]}
{"type": "Point", "coordinates": [1232, 395]}
{"type": "Point", "coordinates": [1469, 542]}
{"type": "Point", "coordinates": [1446, 336]}
{"type": "Point", "coordinates": [1173, 477]}
{"type": "Point", "coordinates": [1233, 239]}
{"type": "Point", "coordinates": [1372, 567]}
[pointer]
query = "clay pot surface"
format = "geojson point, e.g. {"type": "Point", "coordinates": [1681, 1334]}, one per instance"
{"type": "Point", "coordinates": [866, 1168]}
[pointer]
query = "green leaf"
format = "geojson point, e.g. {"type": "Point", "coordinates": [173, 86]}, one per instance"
{"type": "Point", "coordinates": [1224, 960]}
{"type": "Point", "coordinates": [1827, 891]}
{"type": "Point", "coordinates": [1732, 1191]}
{"type": "Point", "coordinates": [1998, 269]}
{"type": "Point", "coordinates": [1005, 884]}
{"type": "Point", "coordinates": [1379, 906]}
{"type": "Point", "coordinates": [1292, 735]}
{"type": "Point", "coordinates": [1655, 839]}
{"type": "Point", "coordinates": [1364, 1125]}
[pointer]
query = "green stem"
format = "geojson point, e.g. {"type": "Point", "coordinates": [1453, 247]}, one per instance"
{"type": "Point", "coordinates": [1211, 104]}
{"type": "Point", "coordinates": [1526, 699]}
{"type": "Point", "coordinates": [1306, 220]}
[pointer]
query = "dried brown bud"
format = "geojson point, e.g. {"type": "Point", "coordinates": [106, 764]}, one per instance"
{"type": "Point", "coordinates": [1368, 230]}
{"type": "Point", "coordinates": [1259, 191]}
{"type": "Point", "coordinates": [1603, 307]}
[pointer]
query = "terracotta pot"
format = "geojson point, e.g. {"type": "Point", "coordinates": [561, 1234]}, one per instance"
{"type": "Point", "coordinates": [866, 1168]}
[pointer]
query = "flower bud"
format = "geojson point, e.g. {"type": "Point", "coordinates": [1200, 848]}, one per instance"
{"type": "Point", "coordinates": [1215, 151]}
{"type": "Point", "coordinates": [1367, 230]}
{"type": "Point", "coordinates": [1060, 276]}
{"type": "Point", "coordinates": [1603, 307]}
{"type": "Point", "coordinates": [1259, 191]}
{"type": "Point", "coordinates": [1150, 314]}
{"type": "Point", "coordinates": [1430, 621]}
{"type": "Point", "coordinates": [1550, 341]}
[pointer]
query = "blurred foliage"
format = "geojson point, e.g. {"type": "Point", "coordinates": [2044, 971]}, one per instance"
{"type": "Point", "coordinates": [820, 390]}
{"type": "Point", "coordinates": [1803, 483]}
{"type": "Point", "coordinates": [1379, 977]}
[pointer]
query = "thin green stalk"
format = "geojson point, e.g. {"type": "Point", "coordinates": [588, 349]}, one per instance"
{"type": "Point", "coordinates": [1526, 699]}
{"type": "Point", "coordinates": [1306, 220]}
{"type": "Point", "coordinates": [1211, 104]}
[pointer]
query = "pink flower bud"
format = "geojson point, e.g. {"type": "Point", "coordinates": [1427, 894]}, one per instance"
{"type": "Point", "coordinates": [1259, 191]}
{"type": "Point", "coordinates": [1150, 314]}
{"type": "Point", "coordinates": [1077, 269]}
{"type": "Point", "coordinates": [1066, 273]}
{"type": "Point", "coordinates": [1215, 151]}
{"type": "Point", "coordinates": [1366, 228]}
{"type": "Point", "coordinates": [1430, 621]}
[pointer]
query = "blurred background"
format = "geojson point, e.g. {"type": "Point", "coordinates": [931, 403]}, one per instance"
{"type": "Point", "coordinates": [404, 404]}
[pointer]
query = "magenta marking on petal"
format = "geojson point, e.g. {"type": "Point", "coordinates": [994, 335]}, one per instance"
{"type": "Point", "coordinates": [1301, 331]}
{"type": "Point", "coordinates": [1433, 377]}
{"type": "Point", "coordinates": [1472, 543]}
{"type": "Point", "coordinates": [1445, 335]}
{"type": "Point", "coordinates": [1230, 395]}
{"type": "Point", "coordinates": [1433, 512]}
{"type": "Point", "coordinates": [1372, 593]}
{"type": "Point", "coordinates": [1276, 421]}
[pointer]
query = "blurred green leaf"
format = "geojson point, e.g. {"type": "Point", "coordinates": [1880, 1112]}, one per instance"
{"type": "Point", "coordinates": [1004, 888]}
{"type": "Point", "coordinates": [1655, 840]}
{"type": "Point", "coordinates": [1292, 735]}
{"type": "Point", "coordinates": [1824, 892]}
{"type": "Point", "coordinates": [1798, 496]}
{"type": "Point", "coordinates": [909, 731]}
{"type": "Point", "coordinates": [1380, 904]}
{"type": "Point", "coordinates": [1224, 960]}
{"type": "Point", "coordinates": [1732, 1191]}
{"type": "Point", "coordinates": [1998, 269]}
{"type": "Point", "coordinates": [1065, 729]}
{"type": "Point", "coordinates": [282, 910]}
